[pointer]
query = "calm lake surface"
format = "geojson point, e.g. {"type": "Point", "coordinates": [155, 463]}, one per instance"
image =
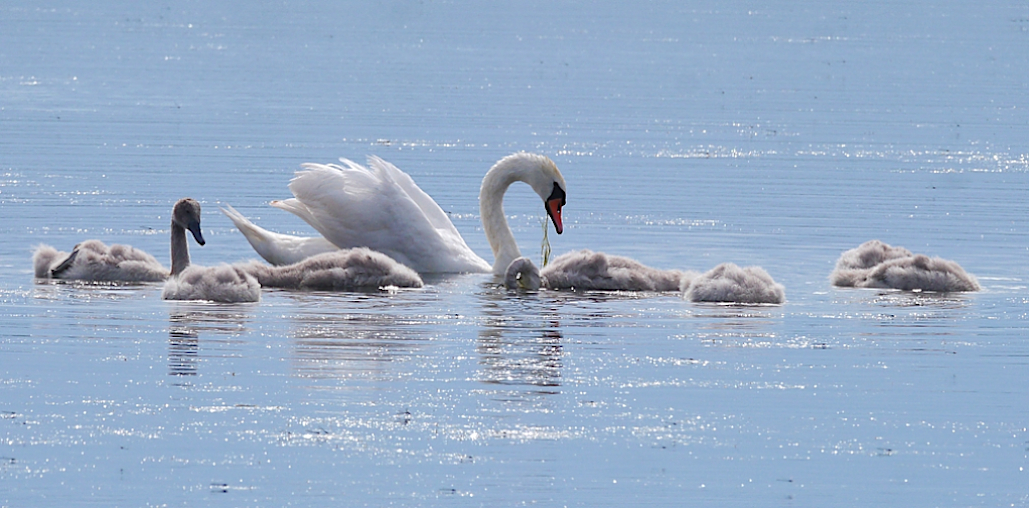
{"type": "Point", "coordinates": [761, 133]}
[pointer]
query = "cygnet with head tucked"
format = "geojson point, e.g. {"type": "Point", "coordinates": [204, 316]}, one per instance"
{"type": "Point", "coordinates": [95, 261]}
{"type": "Point", "coordinates": [875, 264]}
{"type": "Point", "coordinates": [340, 270]}
{"type": "Point", "coordinates": [588, 270]}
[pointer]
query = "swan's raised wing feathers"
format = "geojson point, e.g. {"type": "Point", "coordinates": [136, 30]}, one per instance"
{"type": "Point", "coordinates": [382, 209]}
{"type": "Point", "coordinates": [432, 211]}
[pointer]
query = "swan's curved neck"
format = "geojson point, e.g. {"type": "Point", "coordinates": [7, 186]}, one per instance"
{"type": "Point", "coordinates": [491, 207]}
{"type": "Point", "coordinates": [179, 249]}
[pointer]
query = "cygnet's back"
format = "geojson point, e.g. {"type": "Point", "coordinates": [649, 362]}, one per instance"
{"type": "Point", "coordinates": [341, 270]}
{"type": "Point", "coordinates": [94, 261]}
{"type": "Point", "coordinates": [590, 270]}
{"type": "Point", "coordinates": [728, 283]}
{"type": "Point", "coordinates": [875, 264]}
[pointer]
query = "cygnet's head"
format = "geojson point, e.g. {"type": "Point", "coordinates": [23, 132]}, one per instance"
{"type": "Point", "coordinates": [186, 213]}
{"type": "Point", "coordinates": [543, 176]}
{"type": "Point", "coordinates": [522, 274]}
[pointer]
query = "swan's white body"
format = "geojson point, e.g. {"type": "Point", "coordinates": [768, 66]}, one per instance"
{"type": "Point", "coordinates": [94, 261]}
{"type": "Point", "coordinates": [381, 208]}
{"type": "Point", "coordinates": [587, 270]}
{"type": "Point", "coordinates": [340, 270]}
{"type": "Point", "coordinates": [875, 264]}
{"type": "Point", "coordinates": [222, 283]}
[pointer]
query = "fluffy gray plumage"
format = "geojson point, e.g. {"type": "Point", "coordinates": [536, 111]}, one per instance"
{"type": "Point", "coordinates": [220, 283]}
{"type": "Point", "coordinates": [590, 270]}
{"type": "Point", "coordinates": [875, 264]}
{"type": "Point", "coordinates": [728, 283]}
{"type": "Point", "coordinates": [94, 261]}
{"type": "Point", "coordinates": [342, 270]}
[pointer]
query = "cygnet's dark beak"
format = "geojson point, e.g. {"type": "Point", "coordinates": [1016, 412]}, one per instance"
{"type": "Point", "coordinates": [194, 227]}
{"type": "Point", "coordinates": [553, 205]}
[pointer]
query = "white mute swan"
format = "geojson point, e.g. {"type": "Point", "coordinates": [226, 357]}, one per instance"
{"type": "Point", "coordinates": [875, 264]}
{"type": "Point", "coordinates": [725, 283]}
{"type": "Point", "coordinates": [94, 261]}
{"type": "Point", "coordinates": [340, 270]}
{"type": "Point", "coordinates": [381, 208]}
{"type": "Point", "coordinates": [221, 283]}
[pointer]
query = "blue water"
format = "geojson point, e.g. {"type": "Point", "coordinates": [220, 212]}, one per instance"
{"type": "Point", "coordinates": [764, 133]}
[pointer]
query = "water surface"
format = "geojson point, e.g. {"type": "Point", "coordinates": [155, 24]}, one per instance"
{"type": "Point", "coordinates": [762, 134]}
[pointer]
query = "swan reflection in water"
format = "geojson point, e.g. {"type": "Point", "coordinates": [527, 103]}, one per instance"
{"type": "Point", "coordinates": [187, 321]}
{"type": "Point", "coordinates": [519, 344]}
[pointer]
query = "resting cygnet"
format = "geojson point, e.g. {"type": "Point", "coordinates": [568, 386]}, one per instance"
{"type": "Point", "coordinates": [587, 270]}
{"type": "Point", "coordinates": [875, 264]}
{"type": "Point", "coordinates": [340, 270]}
{"type": "Point", "coordinates": [94, 261]}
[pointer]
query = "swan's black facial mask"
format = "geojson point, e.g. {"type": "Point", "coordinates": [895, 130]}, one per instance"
{"type": "Point", "coordinates": [553, 205]}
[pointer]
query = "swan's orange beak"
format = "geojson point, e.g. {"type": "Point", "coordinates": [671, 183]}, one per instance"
{"type": "Point", "coordinates": [554, 211]}
{"type": "Point", "coordinates": [553, 204]}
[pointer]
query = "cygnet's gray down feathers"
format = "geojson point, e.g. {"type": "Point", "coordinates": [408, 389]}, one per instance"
{"type": "Point", "coordinates": [341, 270]}
{"type": "Point", "coordinates": [728, 283]}
{"type": "Point", "coordinates": [588, 270]}
{"type": "Point", "coordinates": [94, 261]}
{"type": "Point", "coordinates": [875, 264]}
{"type": "Point", "coordinates": [220, 283]}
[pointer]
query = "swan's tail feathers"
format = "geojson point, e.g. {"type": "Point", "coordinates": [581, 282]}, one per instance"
{"type": "Point", "coordinates": [58, 270]}
{"type": "Point", "coordinates": [252, 231]}
{"type": "Point", "coordinates": [277, 248]}
{"type": "Point", "coordinates": [260, 239]}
